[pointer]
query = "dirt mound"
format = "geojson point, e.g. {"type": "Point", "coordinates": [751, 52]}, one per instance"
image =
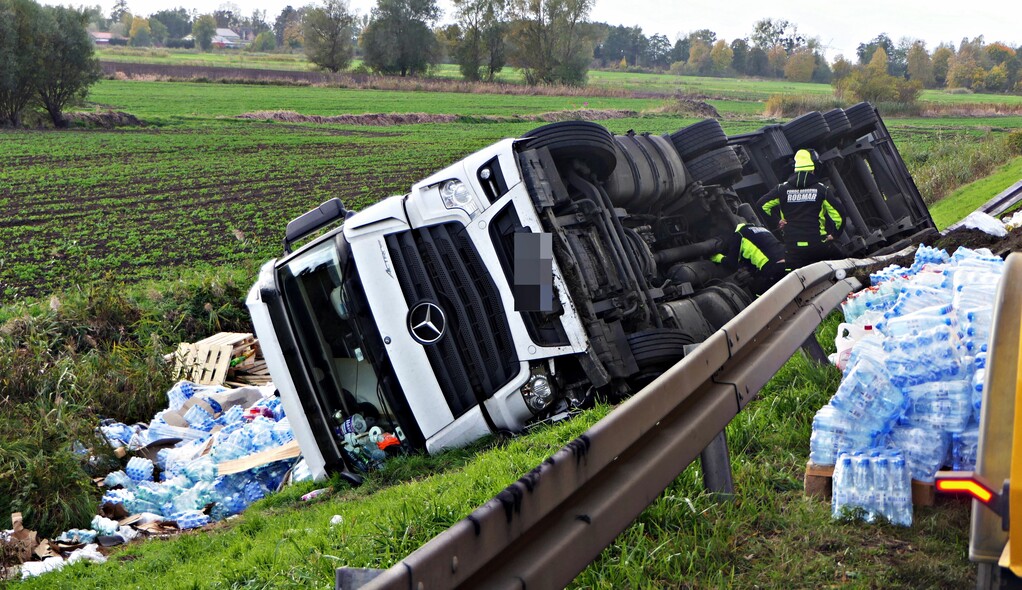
{"type": "Point", "coordinates": [377, 119]}
{"type": "Point", "coordinates": [690, 106]}
{"type": "Point", "coordinates": [385, 119]}
{"type": "Point", "coordinates": [106, 120]}
{"type": "Point", "coordinates": [973, 239]}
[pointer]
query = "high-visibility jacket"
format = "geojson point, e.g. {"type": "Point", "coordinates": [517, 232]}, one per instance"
{"type": "Point", "coordinates": [750, 244]}
{"type": "Point", "coordinates": [809, 210]}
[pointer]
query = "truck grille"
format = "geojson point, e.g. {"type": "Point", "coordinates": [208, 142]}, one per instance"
{"type": "Point", "coordinates": [476, 356]}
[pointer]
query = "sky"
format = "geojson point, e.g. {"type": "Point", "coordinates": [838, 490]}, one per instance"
{"type": "Point", "coordinates": [840, 25]}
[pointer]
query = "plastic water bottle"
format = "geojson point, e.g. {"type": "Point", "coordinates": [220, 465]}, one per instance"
{"type": "Point", "coordinates": [965, 448]}
{"type": "Point", "coordinates": [866, 394]}
{"type": "Point", "coordinates": [919, 321]}
{"type": "Point", "coordinates": [940, 404]}
{"type": "Point", "coordinates": [841, 485]}
{"type": "Point", "coordinates": [862, 485]}
{"type": "Point", "coordinates": [977, 389]}
{"type": "Point", "coordinates": [835, 432]}
{"type": "Point", "coordinates": [901, 485]}
{"type": "Point", "coordinates": [191, 519]}
{"type": "Point", "coordinates": [881, 486]}
{"type": "Point", "coordinates": [104, 526]}
{"type": "Point", "coordinates": [199, 418]}
{"type": "Point", "coordinates": [925, 449]}
{"type": "Point", "coordinates": [139, 469]}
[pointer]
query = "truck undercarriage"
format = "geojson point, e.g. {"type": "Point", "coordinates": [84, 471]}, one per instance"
{"type": "Point", "coordinates": [532, 275]}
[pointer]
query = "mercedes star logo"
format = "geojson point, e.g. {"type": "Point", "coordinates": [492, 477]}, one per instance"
{"type": "Point", "coordinates": [427, 322]}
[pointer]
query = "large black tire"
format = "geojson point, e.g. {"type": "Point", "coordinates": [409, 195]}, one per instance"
{"type": "Point", "coordinates": [658, 347]}
{"type": "Point", "coordinates": [838, 123]}
{"type": "Point", "coordinates": [862, 119]}
{"type": "Point", "coordinates": [807, 131]}
{"type": "Point", "coordinates": [720, 166]}
{"type": "Point", "coordinates": [698, 138]}
{"type": "Point", "coordinates": [577, 140]}
{"type": "Point", "coordinates": [648, 171]}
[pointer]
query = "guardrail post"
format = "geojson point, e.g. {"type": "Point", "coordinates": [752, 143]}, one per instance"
{"type": "Point", "coordinates": [716, 464]}
{"type": "Point", "coordinates": [814, 350]}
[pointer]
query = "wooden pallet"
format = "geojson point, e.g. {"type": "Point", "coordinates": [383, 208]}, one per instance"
{"type": "Point", "coordinates": [819, 482]}
{"type": "Point", "coordinates": [208, 361]}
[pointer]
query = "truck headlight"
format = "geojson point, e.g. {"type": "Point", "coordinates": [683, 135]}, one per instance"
{"type": "Point", "coordinates": [457, 195]}
{"type": "Point", "coordinates": [538, 393]}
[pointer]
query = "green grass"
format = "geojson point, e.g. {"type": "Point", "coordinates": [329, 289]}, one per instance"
{"type": "Point", "coordinates": [202, 190]}
{"type": "Point", "coordinates": [744, 89]}
{"type": "Point", "coordinates": [197, 187]}
{"type": "Point", "coordinates": [771, 536]}
{"type": "Point", "coordinates": [966, 199]}
{"type": "Point", "coordinates": [174, 101]}
{"type": "Point", "coordinates": [224, 58]}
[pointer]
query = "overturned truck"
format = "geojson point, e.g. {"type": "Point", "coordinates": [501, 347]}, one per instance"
{"type": "Point", "coordinates": [534, 274]}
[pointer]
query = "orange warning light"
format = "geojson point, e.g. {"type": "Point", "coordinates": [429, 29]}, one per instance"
{"type": "Point", "coordinates": [973, 488]}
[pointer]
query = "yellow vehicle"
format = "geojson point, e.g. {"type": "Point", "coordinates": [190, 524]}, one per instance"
{"type": "Point", "coordinates": [999, 458]}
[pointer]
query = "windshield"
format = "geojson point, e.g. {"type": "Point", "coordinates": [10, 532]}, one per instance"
{"type": "Point", "coordinates": [314, 290]}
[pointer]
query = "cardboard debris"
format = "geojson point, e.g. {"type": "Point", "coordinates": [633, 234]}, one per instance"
{"type": "Point", "coordinates": [231, 358]}
{"type": "Point", "coordinates": [287, 451]}
{"type": "Point", "coordinates": [44, 550]}
{"type": "Point", "coordinates": [167, 527]}
{"type": "Point", "coordinates": [113, 511]}
{"type": "Point", "coordinates": [243, 396]}
{"type": "Point", "coordinates": [23, 540]}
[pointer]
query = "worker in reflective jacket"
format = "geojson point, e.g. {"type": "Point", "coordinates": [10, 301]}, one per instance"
{"type": "Point", "coordinates": [756, 253]}
{"type": "Point", "coordinates": [807, 213]}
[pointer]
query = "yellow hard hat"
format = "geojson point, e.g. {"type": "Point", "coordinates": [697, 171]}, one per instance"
{"type": "Point", "coordinates": [804, 161]}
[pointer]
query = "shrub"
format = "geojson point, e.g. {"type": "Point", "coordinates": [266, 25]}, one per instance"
{"type": "Point", "coordinates": [180, 44]}
{"type": "Point", "coordinates": [792, 105]}
{"type": "Point", "coordinates": [1014, 142]}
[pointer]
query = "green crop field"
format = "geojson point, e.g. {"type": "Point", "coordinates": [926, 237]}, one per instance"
{"type": "Point", "coordinates": [160, 101]}
{"type": "Point", "coordinates": [198, 187]}
{"type": "Point", "coordinates": [746, 89]}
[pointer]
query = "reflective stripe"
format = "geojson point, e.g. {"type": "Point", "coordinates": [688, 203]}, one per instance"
{"type": "Point", "coordinates": [801, 243]}
{"type": "Point", "coordinates": [830, 211]}
{"type": "Point", "coordinates": [718, 258]}
{"type": "Point", "coordinates": [768, 207]}
{"type": "Point", "coordinates": [753, 254]}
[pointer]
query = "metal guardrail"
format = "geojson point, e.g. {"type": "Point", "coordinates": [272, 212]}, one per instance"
{"type": "Point", "coordinates": [999, 204]}
{"type": "Point", "coordinates": [544, 529]}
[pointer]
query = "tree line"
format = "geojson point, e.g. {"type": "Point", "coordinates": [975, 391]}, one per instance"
{"type": "Point", "coordinates": [46, 60]}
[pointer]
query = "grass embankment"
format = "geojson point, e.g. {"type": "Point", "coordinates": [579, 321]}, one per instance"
{"type": "Point", "coordinates": [71, 360]}
{"type": "Point", "coordinates": [966, 199]}
{"type": "Point", "coordinates": [769, 536]}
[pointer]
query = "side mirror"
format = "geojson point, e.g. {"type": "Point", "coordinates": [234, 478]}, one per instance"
{"type": "Point", "coordinates": [311, 221]}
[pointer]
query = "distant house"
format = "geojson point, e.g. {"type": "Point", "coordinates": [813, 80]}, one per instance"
{"type": "Point", "coordinates": [247, 33]}
{"type": "Point", "coordinates": [101, 38]}
{"type": "Point", "coordinates": [226, 38]}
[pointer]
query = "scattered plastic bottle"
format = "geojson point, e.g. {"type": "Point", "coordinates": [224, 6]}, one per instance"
{"type": "Point", "coordinates": [104, 526]}
{"type": "Point", "coordinates": [191, 519]}
{"type": "Point", "coordinates": [139, 469]}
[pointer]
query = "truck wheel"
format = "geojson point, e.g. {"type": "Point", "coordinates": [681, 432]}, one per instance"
{"type": "Point", "coordinates": [862, 118]}
{"type": "Point", "coordinates": [806, 131]}
{"type": "Point", "coordinates": [720, 166]}
{"type": "Point", "coordinates": [838, 123]}
{"type": "Point", "coordinates": [658, 347]}
{"type": "Point", "coordinates": [577, 140]}
{"type": "Point", "coordinates": [698, 138]}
